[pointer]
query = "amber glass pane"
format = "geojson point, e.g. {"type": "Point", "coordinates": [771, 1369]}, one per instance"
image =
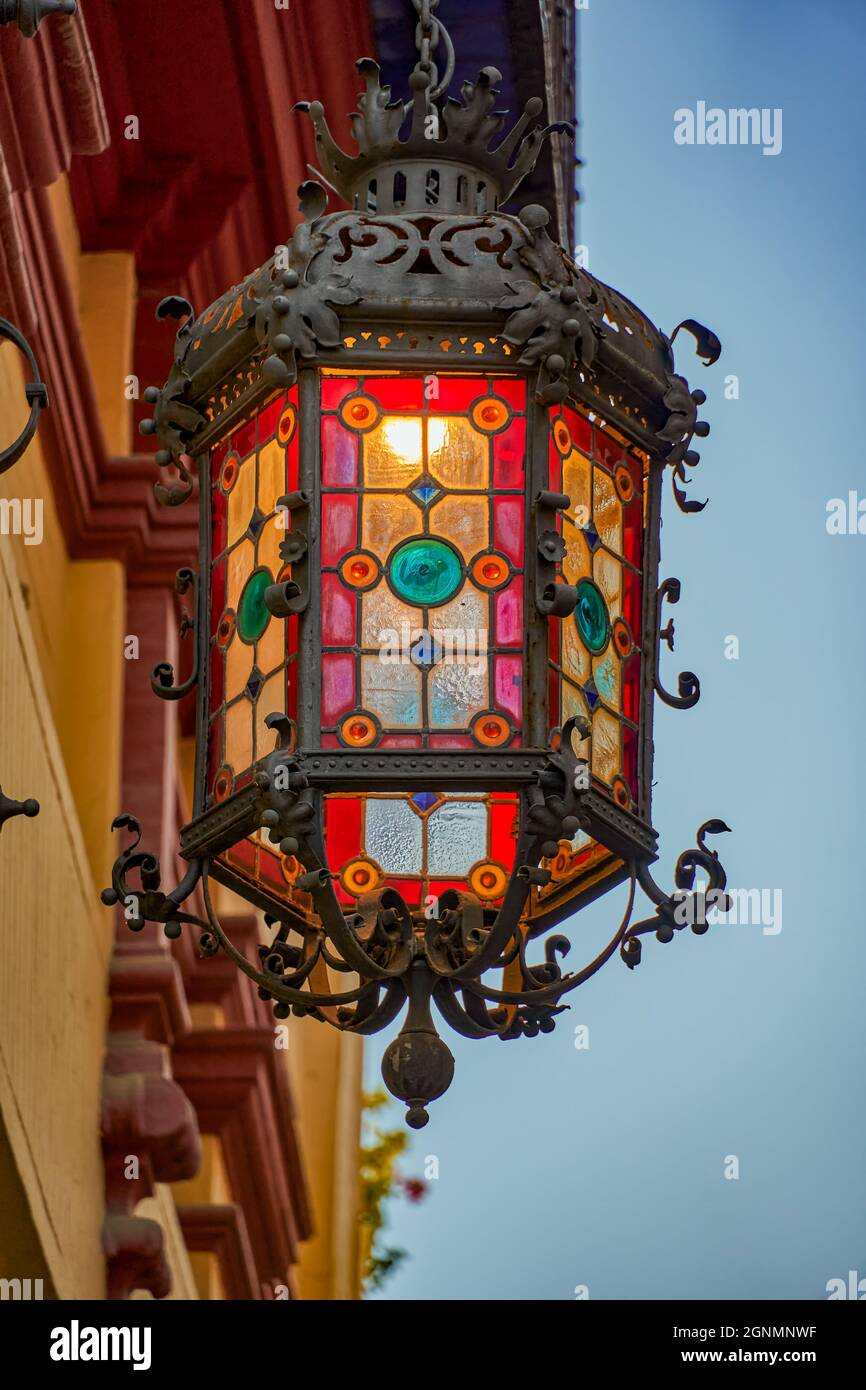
{"type": "Point", "coordinates": [253, 655]}
{"type": "Point", "coordinates": [594, 655]}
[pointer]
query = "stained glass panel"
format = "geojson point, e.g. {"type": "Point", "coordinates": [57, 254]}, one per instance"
{"type": "Point", "coordinates": [253, 655]}
{"type": "Point", "coordinates": [595, 662]}
{"type": "Point", "coordinates": [433, 572]}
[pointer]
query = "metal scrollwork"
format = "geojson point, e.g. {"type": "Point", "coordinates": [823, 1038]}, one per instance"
{"type": "Point", "coordinates": [35, 392]}
{"type": "Point", "coordinates": [687, 683]}
{"type": "Point", "coordinates": [162, 675]}
{"type": "Point", "coordinates": [558, 325]}
{"type": "Point", "coordinates": [682, 424]}
{"type": "Point", "coordinates": [685, 907]}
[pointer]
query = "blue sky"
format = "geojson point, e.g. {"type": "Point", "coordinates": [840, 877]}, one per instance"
{"type": "Point", "coordinates": [605, 1167]}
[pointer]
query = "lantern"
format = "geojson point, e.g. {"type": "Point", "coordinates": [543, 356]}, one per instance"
{"type": "Point", "coordinates": [429, 452]}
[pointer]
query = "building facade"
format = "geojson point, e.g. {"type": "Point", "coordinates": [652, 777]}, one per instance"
{"type": "Point", "coordinates": [159, 1135]}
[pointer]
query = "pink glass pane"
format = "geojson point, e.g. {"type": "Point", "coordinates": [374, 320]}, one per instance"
{"type": "Point", "coordinates": [509, 451]}
{"type": "Point", "coordinates": [508, 685]}
{"type": "Point", "coordinates": [508, 606]}
{"type": "Point", "coordinates": [338, 613]}
{"type": "Point", "coordinates": [338, 686]}
{"type": "Point", "coordinates": [508, 527]}
{"type": "Point", "coordinates": [339, 454]}
{"type": "Point", "coordinates": [339, 527]}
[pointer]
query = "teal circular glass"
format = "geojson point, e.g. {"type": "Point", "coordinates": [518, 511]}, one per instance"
{"type": "Point", "coordinates": [592, 617]}
{"type": "Point", "coordinates": [425, 571]}
{"type": "Point", "coordinates": [253, 615]}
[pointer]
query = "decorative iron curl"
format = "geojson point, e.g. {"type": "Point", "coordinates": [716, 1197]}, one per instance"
{"type": "Point", "coordinates": [148, 903]}
{"type": "Point", "coordinates": [162, 675]}
{"type": "Point", "coordinates": [687, 682]}
{"type": "Point", "coordinates": [684, 907]}
{"type": "Point", "coordinates": [682, 424]}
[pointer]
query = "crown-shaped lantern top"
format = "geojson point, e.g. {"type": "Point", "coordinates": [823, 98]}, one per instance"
{"type": "Point", "coordinates": [432, 153]}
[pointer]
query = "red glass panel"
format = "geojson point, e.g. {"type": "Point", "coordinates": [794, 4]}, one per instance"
{"type": "Point", "coordinates": [629, 759]}
{"type": "Point", "coordinates": [581, 430]}
{"type": "Point", "coordinates": [553, 697]}
{"type": "Point", "coordinates": [338, 686]}
{"type": "Point", "coordinates": [631, 688]}
{"type": "Point", "coordinates": [512, 390]}
{"type": "Point", "coordinates": [338, 613]}
{"type": "Point", "coordinates": [554, 470]}
{"type": "Point", "coordinates": [553, 638]}
{"type": "Point", "coordinates": [243, 853]}
{"type": "Point", "coordinates": [631, 602]}
{"type": "Point", "coordinates": [335, 389]}
{"type": "Point", "coordinates": [339, 527]}
{"type": "Point", "coordinates": [397, 393]}
{"type": "Point", "coordinates": [269, 417]}
{"type": "Point", "coordinates": [217, 595]}
{"type": "Point", "coordinates": [339, 454]}
{"type": "Point", "coordinates": [503, 826]}
{"type": "Point", "coordinates": [269, 868]}
{"type": "Point", "coordinates": [400, 741]}
{"type": "Point", "coordinates": [508, 527]}
{"type": "Point", "coordinates": [409, 889]}
{"type": "Point", "coordinates": [509, 452]}
{"type": "Point", "coordinates": [217, 680]}
{"type": "Point", "coordinates": [456, 394]}
{"type": "Point", "coordinates": [449, 741]}
{"type": "Point", "coordinates": [292, 455]}
{"type": "Point", "coordinates": [244, 439]}
{"type": "Point", "coordinates": [342, 830]}
{"type": "Point", "coordinates": [632, 532]}
{"type": "Point", "coordinates": [607, 451]}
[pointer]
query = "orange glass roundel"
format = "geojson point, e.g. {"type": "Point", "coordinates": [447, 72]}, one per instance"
{"type": "Point", "coordinates": [491, 729]}
{"type": "Point", "coordinates": [359, 730]}
{"type": "Point", "coordinates": [225, 628]}
{"type": "Point", "coordinates": [490, 570]}
{"type": "Point", "coordinates": [621, 637]}
{"type": "Point", "coordinates": [360, 413]}
{"type": "Point", "coordinates": [286, 426]}
{"type": "Point", "coordinates": [490, 414]}
{"type": "Point", "coordinates": [488, 880]}
{"type": "Point", "coordinates": [228, 476]}
{"type": "Point", "coordinates": [562, 437]}
{"type": "Point", "coordinates": [621, 794]}
{"type": "Point", "coordinates": [360, 571]}
{"type": "Point", "coordinates": [223, 783]}
{"type": "Point", "coordinates": [624, 482]}
{"type": "Point", "coordinates": [360, 876]}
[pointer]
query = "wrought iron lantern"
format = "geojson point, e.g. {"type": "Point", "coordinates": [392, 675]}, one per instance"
{"type": "Point", "coordinates": [429, 452]}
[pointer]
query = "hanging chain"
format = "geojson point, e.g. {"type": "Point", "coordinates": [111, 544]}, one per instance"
{"type": "Point", "coordinates": [427, 36]}
{"type": "Point", "coordinates": [428, 32]}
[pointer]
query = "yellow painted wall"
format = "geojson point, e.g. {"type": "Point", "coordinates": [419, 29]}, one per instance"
{"type": "Point", "coordinates": [55, 945]}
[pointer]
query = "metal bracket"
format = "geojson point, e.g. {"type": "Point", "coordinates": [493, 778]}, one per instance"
{"type": "Point", "coordinates": [10, 808]}
{"type": "Point", "coordinates": [552, 599]}
{"type": "Point", "coordinates": [293, 595]}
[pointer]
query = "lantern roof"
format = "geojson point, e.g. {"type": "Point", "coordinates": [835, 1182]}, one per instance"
{"type": "Point", "coordinates": [425, 245]}
{"type": "Point", "coordinates": [448, 159]}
